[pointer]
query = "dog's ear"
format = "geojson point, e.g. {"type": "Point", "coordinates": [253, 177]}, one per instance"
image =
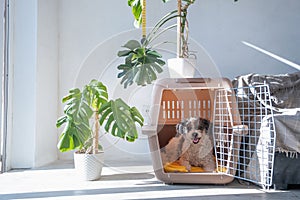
{"type": "Point", "coordinates": [204, 123]}
{"type": "Point", "coordinates": [179, 127]}
{"type": "Point", "coordinates": [207, 123]}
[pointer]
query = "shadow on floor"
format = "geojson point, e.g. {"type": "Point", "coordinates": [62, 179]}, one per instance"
{"type": "Point", "coordinates": [127, 176]}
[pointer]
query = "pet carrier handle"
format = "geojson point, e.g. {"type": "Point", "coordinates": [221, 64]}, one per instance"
{"type": "Point", "coordinates": [193, 80]}
{"type": "Point", "coordinates": [149, 130]}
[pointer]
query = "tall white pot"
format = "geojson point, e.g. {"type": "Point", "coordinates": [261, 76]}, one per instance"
{"type": "Point", "coordinates": [182, 67]}
{"type": "Point", "coordinates": [89, 166]}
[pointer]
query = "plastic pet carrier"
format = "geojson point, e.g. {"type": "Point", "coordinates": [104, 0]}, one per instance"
{"type": "Point", "coordinates": [214, 99]}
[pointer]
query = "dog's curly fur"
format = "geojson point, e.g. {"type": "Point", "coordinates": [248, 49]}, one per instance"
{"type": "Point", "coordinates": [192, 146]}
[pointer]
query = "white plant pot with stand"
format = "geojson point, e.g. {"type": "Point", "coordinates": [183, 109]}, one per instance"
{"type": "Point", "coordinates": [182, 67]}
{"type": "Point", "coordinates": [89, 166]}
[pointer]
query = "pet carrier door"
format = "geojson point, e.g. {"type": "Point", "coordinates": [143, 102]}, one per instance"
{"type": "Point", "coordinates": [246, 147]}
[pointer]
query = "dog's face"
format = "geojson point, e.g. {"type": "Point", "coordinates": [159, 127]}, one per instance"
{"type": "Point", "coordinates": [193, 128]}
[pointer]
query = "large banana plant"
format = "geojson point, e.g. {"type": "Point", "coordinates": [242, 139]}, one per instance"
{"type": "Point", "coordinates": [85, 110]}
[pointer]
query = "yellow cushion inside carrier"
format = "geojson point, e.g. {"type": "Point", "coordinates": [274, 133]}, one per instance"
{"type": "Point", "coordinates": [176, 167]}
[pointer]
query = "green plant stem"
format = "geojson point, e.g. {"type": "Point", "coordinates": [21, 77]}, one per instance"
{"type": "Point", "coordinates": [160, 33]}
{"type": "Point", "coordinates": [182, 40]}
{"type": "Point", "coordinates": [151, 36]}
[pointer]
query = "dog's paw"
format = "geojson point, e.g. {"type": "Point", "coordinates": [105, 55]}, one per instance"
{"type": "Point", "coordinates": [210, 167]}
{"type": "Point", "coordinates": [186, 164]}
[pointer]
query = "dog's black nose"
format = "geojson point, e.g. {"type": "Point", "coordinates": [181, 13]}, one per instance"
{"type": "Point", "coordinates": [195, 134]}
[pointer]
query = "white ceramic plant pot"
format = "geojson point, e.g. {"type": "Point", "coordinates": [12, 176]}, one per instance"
{"type": "Point", "coordinates": [89, 166]}
{"type": "Point", "coordinates": [182, 67]}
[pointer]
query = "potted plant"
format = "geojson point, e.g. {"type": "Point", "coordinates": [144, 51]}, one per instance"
{"type": "Point", "coordinates": [142, 62]}
{"type": "Point", "coordinates": [84, 112]}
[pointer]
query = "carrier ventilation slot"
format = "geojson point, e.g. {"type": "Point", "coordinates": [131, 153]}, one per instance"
{"type": "Point", "coordinates": [178, 110]}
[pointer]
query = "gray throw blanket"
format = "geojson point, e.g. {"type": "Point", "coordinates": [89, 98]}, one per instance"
{"type": "Point", "coordinates": [285, 97]}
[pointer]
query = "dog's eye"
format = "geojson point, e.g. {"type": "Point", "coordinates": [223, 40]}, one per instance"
{"type": "Point", "coordinates": [185, 130]}
{"type": "Point", "coordinates": [189, 127]}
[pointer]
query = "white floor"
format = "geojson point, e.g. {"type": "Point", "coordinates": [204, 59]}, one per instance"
{"type": "Point", "coordinates": [120, 180]}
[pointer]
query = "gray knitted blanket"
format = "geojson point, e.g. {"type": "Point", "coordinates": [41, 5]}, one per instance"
{"type": "Point", "coordinates": [285, 97]}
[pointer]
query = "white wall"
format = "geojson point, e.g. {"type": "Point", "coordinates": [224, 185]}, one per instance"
{"type": "Point", "coordinates": [47, 82]}
{"type": "Point", "coordinates": [221, 26]}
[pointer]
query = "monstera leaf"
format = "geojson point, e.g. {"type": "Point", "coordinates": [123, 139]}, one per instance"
{"type": "Point", "coordinates": [74, 135]}
{"type": "Point", "coordinates": [80, 107]}
{"type": "Point", "coordinates": [137, 7]}
{"type": "Point", "coordinates": [141, 64]}
{"type": "Point", "coordinates": [120, 119]}
{"type": "Point", "coordinates": [96, 94]}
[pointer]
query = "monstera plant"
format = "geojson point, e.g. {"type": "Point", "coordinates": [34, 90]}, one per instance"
{"type": "Point", "coordinates": [85, 111]}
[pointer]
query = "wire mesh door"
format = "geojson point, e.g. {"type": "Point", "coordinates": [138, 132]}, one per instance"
{"type": "Point", "coordinates": [245, 146]}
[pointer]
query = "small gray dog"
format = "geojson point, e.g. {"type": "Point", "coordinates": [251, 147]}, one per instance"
{"type": "Point", "coordinates": [192, 146]}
